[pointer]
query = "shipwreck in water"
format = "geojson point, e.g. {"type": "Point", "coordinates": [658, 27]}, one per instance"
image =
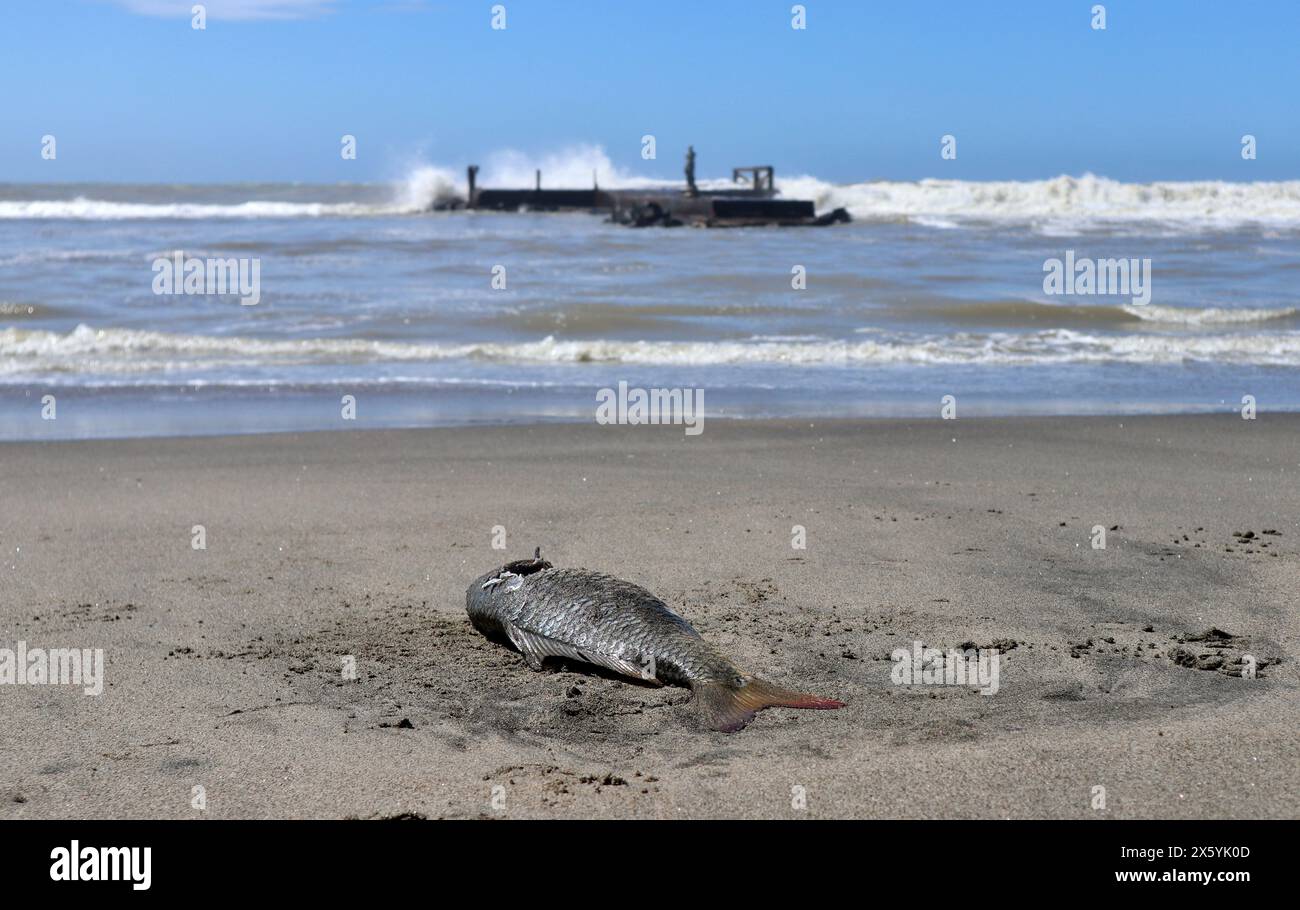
{"type": "Point", "coordinates": [753, 200]}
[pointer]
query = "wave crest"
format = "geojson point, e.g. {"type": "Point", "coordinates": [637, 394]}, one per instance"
{"type": "Point", "coordinates": [1059, 202]}
{"type": "Point", "coordinates": [90, 350]}
{"type": "Point", "coordinates": [1061, 205]}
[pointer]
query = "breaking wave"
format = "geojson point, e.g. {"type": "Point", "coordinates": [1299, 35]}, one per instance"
{"type": "Point", "coordinates": [1061, 202]}
{"type": "Point", "coordinates": [100, 351]}
{"type": "Point", "coordinates": [1028, 314]}
{"type": "Point", "coordinates": [83, 209]}
{"type": "Point", "coordinates": [1060, 205]}
{"type": "Point", "coordinates": [422, 188]}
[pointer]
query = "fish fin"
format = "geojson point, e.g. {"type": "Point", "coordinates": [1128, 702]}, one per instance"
{"type": "Point", "coordinates": [728, 706]}
{"type": "Point", "coordinates": [528, 566]}
{"type": "Point", "coordinates": [536, 648]}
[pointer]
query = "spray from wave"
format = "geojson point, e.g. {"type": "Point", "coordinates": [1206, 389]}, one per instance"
{"type": "Point", "coordinates": [425, 187]}
{"type": "Point", "coordinates": [576, 167]}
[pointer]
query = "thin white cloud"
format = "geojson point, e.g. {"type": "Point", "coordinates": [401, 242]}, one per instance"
{"type": "Point", "coordinates": [231, 10]}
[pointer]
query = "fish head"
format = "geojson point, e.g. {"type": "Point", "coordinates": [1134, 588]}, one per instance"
{"type": "Point", "coordinates": [486, 602]}
{"type": "Point", "coordinates": [491, 588]}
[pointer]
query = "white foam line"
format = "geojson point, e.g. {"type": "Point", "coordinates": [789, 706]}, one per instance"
{"type": "Point", "coordinates": [88, 350]}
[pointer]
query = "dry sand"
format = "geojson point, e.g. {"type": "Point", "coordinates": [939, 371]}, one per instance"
{"type": "Point", "coordinates": [224, 664]}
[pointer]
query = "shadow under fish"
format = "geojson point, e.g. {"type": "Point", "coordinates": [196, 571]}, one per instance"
{"type": "Point", "coordinates": [597, 619]}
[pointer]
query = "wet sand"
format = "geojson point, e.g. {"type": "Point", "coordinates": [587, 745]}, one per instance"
{"type": "Point", "coordinates": [224, 664]}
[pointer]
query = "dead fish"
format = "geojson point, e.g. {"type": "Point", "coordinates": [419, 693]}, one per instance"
{"type": "Point", "coordinates": [595, 618]}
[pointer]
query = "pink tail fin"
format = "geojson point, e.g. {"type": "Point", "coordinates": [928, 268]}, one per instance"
{"type": "Point", "coordinates": [729, 708]}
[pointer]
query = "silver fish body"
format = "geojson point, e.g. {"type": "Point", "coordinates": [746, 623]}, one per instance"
{"type": "Point", "coordinates": [598, 619]}
{"type": "Point", "coordinates": [594, 618]}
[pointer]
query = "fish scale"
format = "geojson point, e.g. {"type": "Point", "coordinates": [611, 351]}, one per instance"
{"type": "Point", "coordinates": [598, 619]}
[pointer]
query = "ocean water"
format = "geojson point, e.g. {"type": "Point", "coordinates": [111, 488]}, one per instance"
{"type": "Point", "coordinates": [935, 289]}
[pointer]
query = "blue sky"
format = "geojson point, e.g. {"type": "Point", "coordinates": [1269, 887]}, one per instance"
{"type": "Point", "coordinates": [132, 93]}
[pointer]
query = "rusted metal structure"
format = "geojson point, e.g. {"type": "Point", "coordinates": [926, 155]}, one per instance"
{"type": "Point", "coordinates": [742, 206]}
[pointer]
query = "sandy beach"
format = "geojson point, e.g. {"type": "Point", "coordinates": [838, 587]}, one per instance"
{"type": "Point", "coordinates": [223, 665]}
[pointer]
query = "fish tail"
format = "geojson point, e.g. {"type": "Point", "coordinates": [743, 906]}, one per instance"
{"type": "Point", "coordinates": [729, 706]}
